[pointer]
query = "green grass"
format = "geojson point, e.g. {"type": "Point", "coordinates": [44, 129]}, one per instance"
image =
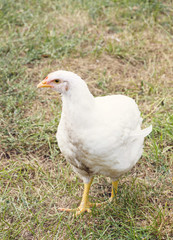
{"type": "Point", "coordinates": [117, 47]}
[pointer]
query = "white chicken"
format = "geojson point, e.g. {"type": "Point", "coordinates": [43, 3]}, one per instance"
{"type": "Point", "coordinates": [96, 135]}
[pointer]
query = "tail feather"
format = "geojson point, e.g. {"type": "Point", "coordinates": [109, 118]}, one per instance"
{"type": "Point", "coordinates": [144, 132]}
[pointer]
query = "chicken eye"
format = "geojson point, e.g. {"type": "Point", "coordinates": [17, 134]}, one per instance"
{"type": "Point", "coordinates": [56, 80]}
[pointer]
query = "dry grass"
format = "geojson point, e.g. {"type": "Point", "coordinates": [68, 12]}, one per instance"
{"type": "Point", "coordinates": [117, 47]}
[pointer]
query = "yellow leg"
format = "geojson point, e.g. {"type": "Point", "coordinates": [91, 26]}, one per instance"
{"type": "Point", "coordinates": [113, 194]}
{"type": "Point", "coordinates": [114, 190]}
{"type": "Point", "coordinates": [85, 204]}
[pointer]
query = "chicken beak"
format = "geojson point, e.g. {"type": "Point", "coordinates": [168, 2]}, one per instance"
{"type": "Point", "coordinates": [43, 84]}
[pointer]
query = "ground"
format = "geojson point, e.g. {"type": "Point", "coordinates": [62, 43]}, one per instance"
{"type": "Point", "coordinates": [117, 47]}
